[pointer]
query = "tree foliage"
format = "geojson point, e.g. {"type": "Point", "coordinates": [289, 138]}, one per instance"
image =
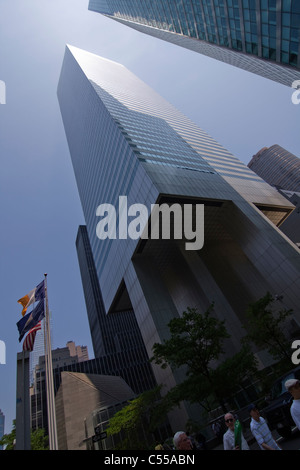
{"type": "Point", "coordinates": [196, 343]}
{"type": "Point", "coordinates": [38, 440]}
{"type": "Point", "coordinates": [138, 420]}
{"type": "Point", "coordinates": [265, 327]}
{"type": "Point", "coordinates": [8, 440]}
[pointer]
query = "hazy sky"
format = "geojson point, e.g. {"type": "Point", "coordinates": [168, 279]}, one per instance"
{"type": "Point", "coordinates": [40, 207]}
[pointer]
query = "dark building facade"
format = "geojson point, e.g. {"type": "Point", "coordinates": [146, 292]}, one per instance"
{"type": "Point", "coordinates": [260, 36]}
{"type": "Point", "coordinates": [110, 333]}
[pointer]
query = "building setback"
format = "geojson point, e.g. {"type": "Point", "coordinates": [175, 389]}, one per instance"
{"type": "Point", "coordinates": [260, 36]}
{"type": "Point", "coordinates": [126, 140]}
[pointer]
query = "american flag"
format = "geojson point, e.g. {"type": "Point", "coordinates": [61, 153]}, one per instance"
{"type": "Point", "coordinates": [29, 340]}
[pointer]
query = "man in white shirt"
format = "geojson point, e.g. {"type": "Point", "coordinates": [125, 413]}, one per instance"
{"type": "Point", "coordinates": [228, 438]}
{"type": "Point", "coordinates": [261, 431]}
{"type": "Point", "coordinates": [293, 386]}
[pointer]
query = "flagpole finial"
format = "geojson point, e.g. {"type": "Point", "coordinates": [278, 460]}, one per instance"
{"type": "Point", "coordinates": [45, 274]}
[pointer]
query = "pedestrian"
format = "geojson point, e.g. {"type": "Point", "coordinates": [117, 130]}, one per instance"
{"type": "Point", "coordinates": [182, 441]}
{"type": "Point", "coordinates": [194, 447]}
{"type": "Point", "coordinates": [261, 431]}
{"type": "Point", "coordinates": [201, 439]}
{"type": "Point", "coordinates": [229, 440]}
{"type": "Point", "coordinates": [217, 429]}
{"type": "Point", "coordinates": [293, 386]}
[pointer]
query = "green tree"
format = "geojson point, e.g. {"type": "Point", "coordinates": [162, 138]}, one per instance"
{"type": "Point", "coordinates": [137, 421]}
{"type": "Point", "coordinates": [38, 439]}
{"type": "Point", "coordinates": [196, 343]}
{"type": "Point", "coordinates": [265, 327]}
{"type": "Point", "coordinates": [8, 440]}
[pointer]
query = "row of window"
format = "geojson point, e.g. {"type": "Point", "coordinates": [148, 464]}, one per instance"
{"type": "Point", "coordinates": [220, 22]}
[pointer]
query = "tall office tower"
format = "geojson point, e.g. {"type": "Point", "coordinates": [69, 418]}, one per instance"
{"type": "Point", "coordinates": [129, 146]}
{"type": "Point", "coordinates": [260, 36]}
{"type": "Point", "coordinates": [277, 167]}
{"type": "Point", "coordinates": [2, 422]}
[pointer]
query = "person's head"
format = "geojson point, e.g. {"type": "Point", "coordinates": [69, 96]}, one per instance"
{"type": "Point", "coordinates": [253, 411]}
{"type": "Point", "coordinates": [293, 386]}
{"type": "Point", "coordinates": [182, 441]}
{"type": "Point", "coordinates": [229, 420]}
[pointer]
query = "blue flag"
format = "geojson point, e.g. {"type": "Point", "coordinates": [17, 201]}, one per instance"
{"type": "Point", "coordinates": [35, 295]}
{"type": "Point", "coordinates": [31, 319]}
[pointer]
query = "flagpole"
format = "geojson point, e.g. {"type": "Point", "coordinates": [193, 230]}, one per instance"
{"type": "Point", "coordinates": [47, 385]}
{"type": "Point", "coordinates": [49, 379]}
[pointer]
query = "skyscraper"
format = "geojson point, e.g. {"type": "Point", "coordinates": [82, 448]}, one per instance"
{"type": "Point", "coordinates": [278, 167]}
{"type": "Point", "coordinates": [129, 146]}
{"type": "Point", "coordinates": [260, 36]}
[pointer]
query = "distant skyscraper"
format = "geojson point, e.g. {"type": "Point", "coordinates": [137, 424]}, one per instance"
{"type": "Point", "coordinates": [277, 167]}
{"type": "Point", "coordinates": [260, 36]}
{"type": "Point", "coordinates": [281, 169]}
{"type": "Point", "coordinates": [80, 351]}
{"type": "Point", "coordinates": [66, 356]}
{"type": "Point", "coordinates": [2, 423]}
{"type": "Point", "coordinates": [128, 142]}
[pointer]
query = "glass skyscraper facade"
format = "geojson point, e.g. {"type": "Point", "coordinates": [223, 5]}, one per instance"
{"type": "Point", "coordinates": [110, 333]}
{"type": "Point", "coordinates": [261, 36]}
{"type": "Point", "coordinates": [126, 140]}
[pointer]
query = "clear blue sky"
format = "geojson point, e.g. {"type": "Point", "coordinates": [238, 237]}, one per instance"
{"type": "Point", "coordinates": [40, 207]}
